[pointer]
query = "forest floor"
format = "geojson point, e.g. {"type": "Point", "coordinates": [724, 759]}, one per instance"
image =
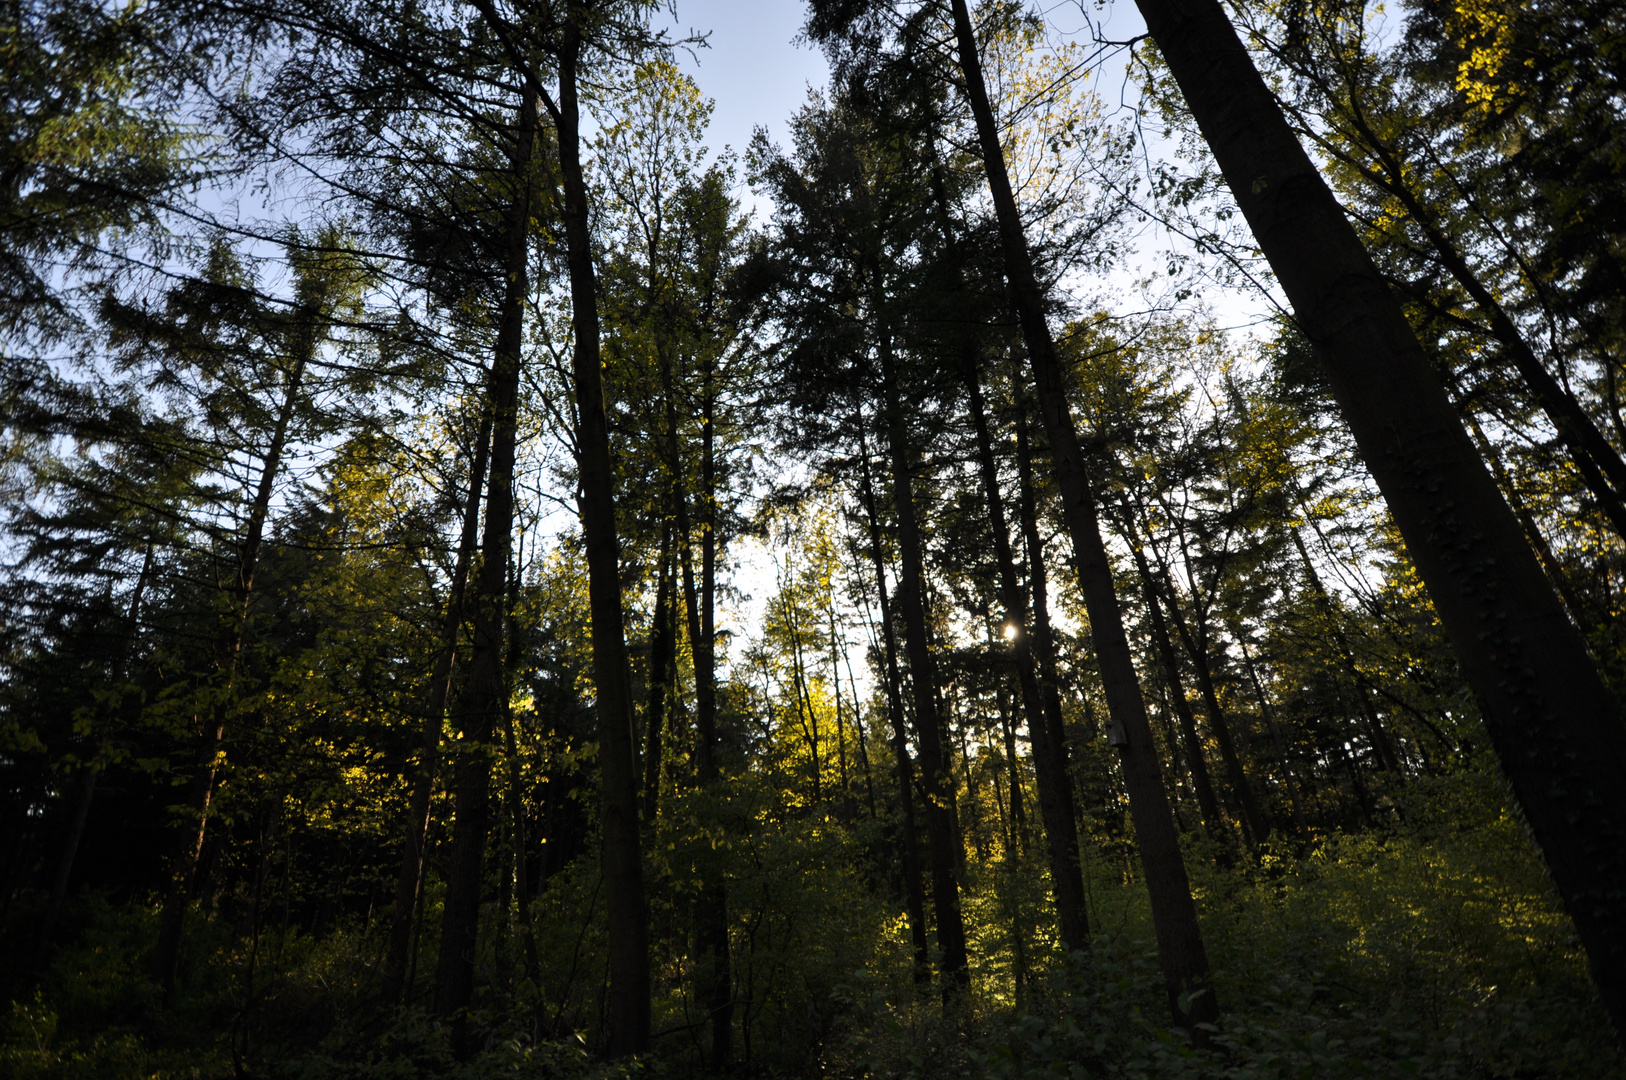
{"type": "Point", "coordinates": [1408, 950]}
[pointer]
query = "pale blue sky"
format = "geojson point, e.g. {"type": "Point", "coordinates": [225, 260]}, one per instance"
{"type": "Point", "coordinates": [755, 74]}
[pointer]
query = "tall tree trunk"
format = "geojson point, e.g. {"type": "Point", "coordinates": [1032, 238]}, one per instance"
{"type": "Point", "coordinates": [189, 847]}
{"type": "Point", "coordinates": [1019, 835]}
{"type": "Point", "coordinates": [711, 920]}
{"type": "Point", "coordinates": [1174, 914]}
{"type": "Point", "coordinates": [1044, 637]}
{"type": "Point", "coordinates": [935, 784]}
{"type": "Point", "coordinates": [515, 799]}
{"type": "Point", "coordinates": [628, 917]}
{"type": "Point", "coordinates": [480, 705]}
{"type": "Point", "coordinates": [414, 853]}
{"type": "Point", "coordinates": [1056, 804]}
{"type": "Point", "coordinates": [913, 888]}
{"type": "Point", "coordinates": [717, 989]}
{"type": "Point", "coordinates": [90, 771]}
{"type": "Point", "coordinates": [1555, 727]}
{"type": "Point", "coordinates": [662, 677]}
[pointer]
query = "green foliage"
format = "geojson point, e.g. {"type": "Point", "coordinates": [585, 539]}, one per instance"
{"type": "Point", "coordinates": [1432, 949]}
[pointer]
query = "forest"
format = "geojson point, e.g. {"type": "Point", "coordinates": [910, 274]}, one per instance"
{"type": "Point", "coordinates": [1094, 553]}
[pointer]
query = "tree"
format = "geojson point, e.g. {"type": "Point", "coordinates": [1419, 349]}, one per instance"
{"type": "Point", "coordinates": [1180, 945]}
{"type": "Point", "coordinates": [1556, 728]}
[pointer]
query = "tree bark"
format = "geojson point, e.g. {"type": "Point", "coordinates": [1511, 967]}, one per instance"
{"type": "Point", "coordinates": [1056, 805]}
{"type": "Point", "coordinates": [480, 705]}
{"type": "Point", "coordinates": [1174, 913]}
{"type": "Point", "coordinates": [941, 830]}
{"type": "Point", "coordinates": [1200, 780]}
{"type": "Point", "coordinates": [913, 889]}
{"type": "Point", "coordinates": [189, 847]}
{"type": "Point", "coordinates": [409, 881]}
{"type": "Point", "coordinates": [1555, 727]}
{"type": "Point", "coordinates": [625, 908]}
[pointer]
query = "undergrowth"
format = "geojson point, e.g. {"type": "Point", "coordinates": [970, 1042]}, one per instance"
{"type": "Point", "coordinates": [1415, 950]}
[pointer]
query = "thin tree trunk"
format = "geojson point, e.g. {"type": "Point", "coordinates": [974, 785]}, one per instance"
{"type": "Point", "coordinates": [863, 739]}
{"type": "Point", "coordinates": [1253, 821]}
{"type": "Point", "coordinates": [414, 854]}
{"type": "Point", "coordinates": [934, 773]}
{"type": "Point", "coordinates": [1174, 914]}
{"type": "Point", "coordinates": [1056, 804]}
{"type": "Point", "coordinates": [480, 705]}
{"type": "Point", "coordinates": [913, 888]}
{"type": "Point", "coordinates": [1269, 714]}
{"type": "Point", "coordinates": [628, 917]}
{"type": "Point", "coordinates": [189, 848]}
{"type": "Point", "coordinates": [1538, 542]}
{"type": "Point", "coordinates": [516, 808]}
{"type": "Point", "coordinates": [1200, 780]}
{"type": "Point", "coordinates": [1044, 637]}
{"type": "Point", "coordinates": [716, 986]}
{"type": "Point", "coordinates": [662, 673]}
{"type": "Point", "coordinates": [1019, 834]}
{"type": "Point", "coordinates": [805, 716]}
{"type": "Point", "coordinates": [1599, 463]}
{"type": "Point", "coordinates": [841, 731]}
{"type": "Point", "coordinates": [1554, 725]}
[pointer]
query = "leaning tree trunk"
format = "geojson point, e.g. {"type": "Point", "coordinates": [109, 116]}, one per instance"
{"type": "Point", "coordinates": [941, 833]}
{"type": "Point", "coordinates": [414, 852]}
{"type": "Point", "coordinates": [481, 703]}
{"type": "Point", "coordinates": [628, 918]}
{"type": "Point", "coordinates": [189, 847]}
{"type": "Point", "coordinates": [1056, 804]}
{"type": "Point", "coordinates": [1556, 728]}
{"type": "Point", "coordinates": [1174, 913]}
